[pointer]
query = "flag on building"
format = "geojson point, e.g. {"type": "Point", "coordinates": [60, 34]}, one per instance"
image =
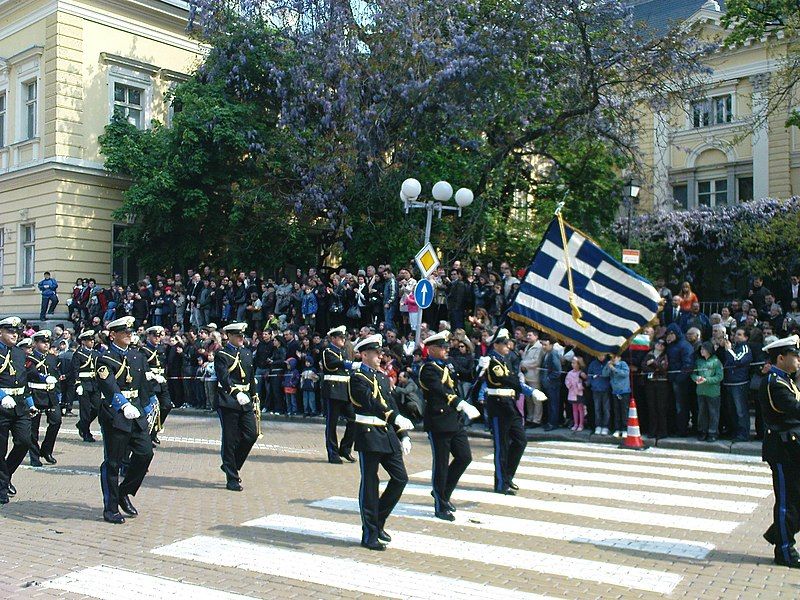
{"type": "Point", "coordinates": [584, 296]}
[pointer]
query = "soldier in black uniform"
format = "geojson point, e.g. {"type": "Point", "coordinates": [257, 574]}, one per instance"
{"type": "Point", "coordinates": [125, 406]}
{"type": "Point", "coordinates": [43, 381]}
{"type": "Point", "coordinates": [236, 385]}
{"type": "Point", "coordinates": [378, 425]}
{"type": "Point", "coordinates": [155, 354]}
{"type": "Point", "coordinates": [334, 394]}
{"type": "Point", "coordinates": [84, 363]}
{"type": "Point", "coordinates": [502, 389]}
{"type": "Point", "coordinates": [16, 405]}
{"type": "Point", "coordinates": [780, 406]}
{"type": "Point", "coordinates": [442, 421]}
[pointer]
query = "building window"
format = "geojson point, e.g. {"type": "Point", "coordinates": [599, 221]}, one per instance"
{"type": "Point", "coordinates": [27, 251]}
{"type": "Point", "coordinates": [712, 193]}
{"type": "Point", "coordinates": [123, 267]}
{"type": "Point", "coordinates": [680, 196]}
{"type": "Point", "coordinates": [129, 103]}
{"type": "Point", "coordinates": [744, 189]}
{"type": "Point", "coordinates": [29, 96]}
{"type": "Point", "coordinates": [712, 111]}
{"type": "Point", "coordinates": [2, 118]}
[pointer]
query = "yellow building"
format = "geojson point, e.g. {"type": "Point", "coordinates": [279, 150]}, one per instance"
{"type": "Point", "coordinates": [65, 67]}
{"type": "Point", "coordinates": [715, 150]}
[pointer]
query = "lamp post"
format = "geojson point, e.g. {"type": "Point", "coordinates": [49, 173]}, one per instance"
{"type": "Point", "coordinates": [441, 192]}
{"type": "Point", "coordinates": [630, 191]}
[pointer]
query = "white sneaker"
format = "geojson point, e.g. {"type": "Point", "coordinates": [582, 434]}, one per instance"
{"type": "Point", "coordinates": [624, 434]}
{"type": "Point", "coordinates": [597, 431]}
{"type": "Point", "coordinates": [604, 431]}
{"type": "Point", "coordinates": [617, 434]}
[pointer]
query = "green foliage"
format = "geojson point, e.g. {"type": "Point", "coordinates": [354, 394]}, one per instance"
{"type": "Point", "coordinates": [770, 248]}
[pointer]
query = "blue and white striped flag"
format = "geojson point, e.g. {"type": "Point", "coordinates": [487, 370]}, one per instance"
{"type": "Point", "coordinates": [613, 303]}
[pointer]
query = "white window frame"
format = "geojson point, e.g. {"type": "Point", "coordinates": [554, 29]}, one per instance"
{"type": "Point", "coordinates": [22, 249]}
{"type": "Point", "coordinates": [2, 254]}
{"type": "Point", "coordinates": [126, 105]}
{"type": "Point", "coordinates": [27, 67]}
{"type": "Point", "coordinates": [715, 92]}
{"type": "Point", "coordinates": [28, 130]}
{"type": "Point", "coordinates": [710, 103]}
{"type": "Point", "coordinates": [712, 181]}
{"type": "Point", "coordinates": [4, 117]}
{"type": "Point", "coordinates": [131, 73]}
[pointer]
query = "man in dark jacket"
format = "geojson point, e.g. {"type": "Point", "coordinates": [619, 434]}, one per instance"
{"type": "Point", "coordinates": [456, 299]}
{"type": "Point", "coordinates": [736, 383]}
{"type": "Point", "coordinates": [681, 365]}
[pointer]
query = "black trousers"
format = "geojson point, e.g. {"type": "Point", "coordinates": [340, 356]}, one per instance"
{"type": "Point", "coordinates": [238, 436]}
{"type": "Point", "coordinates": [375, 507]}
{"type": "Point", "coordinates": [333, 410]}
{"type": "Point", "coordinates": [446, 473]}
{"type": "Point", "coordinates": [786, 511]}
{"type": "Point", "coordinates": [19, 428]}
{"type": "Point", "coordinates": [88, 409]}
{"type": "Point", "coordinates": [164, 406]}
{"type": "Point", "coordinates": [67, 393]}
{"type": "Point", "coordinates": [53, 416]}
{"type": "Point", "coordinates": [508, 436]}
{"type": "Point", "coordinates": [116, 445]}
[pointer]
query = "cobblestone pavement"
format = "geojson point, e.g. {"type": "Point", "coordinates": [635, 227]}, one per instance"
{"type": "Point", "coordinates": [589, 522]}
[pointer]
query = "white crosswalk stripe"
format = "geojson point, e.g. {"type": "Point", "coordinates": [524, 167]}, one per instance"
{"type": "Point", "coordinates": [591, 511]}
{"type": "Point", "coordinates": [599, 572]}
{"type": "Point", "coordinates": [541, 529]}
{"type": "Point", "coordinates": [340, 573]}
{"type": "Point", "coordinates": [630, 480]}
{"type": "Point", "coordinates": [663, 452]}
{"type": "Point", "coordinates": [108, 583]}
{"type": "Point", "coordinates": [619, 493]}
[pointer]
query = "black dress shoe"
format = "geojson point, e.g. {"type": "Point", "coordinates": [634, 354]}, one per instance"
{"type": "Point", "coordinates": [115, 518]}
{"type": "Point", "coordinates": [49, 459]}
{"type": "Point", "coordinates": [792, 560]}
{"type": "Point", "coordinates": [12, 491]}
{"type": "Point", "coordinates": [349, 457]}
{"type": "Point", "coordinates": [376, 545]}
{"type": "Point", "coordinates": [234, 486]}
{"type": "Point", "coordinates": [155, 439]}
{"type": "Point", "coordinates": [508, 492]}
{"type": "Point", "coordinates": [36, 463]}
{"type": "Point", "coordinates": [335, 460]}
{"type": "Point", "coordinates": [127, 506]}
{"type": "Point", "coordinates": [383, 536]}
{"type": "Point", "coordinates": [444, 515]}
{"type": "Point", "coordinates": [513, 486]}
{"type": "Point", "coordinates": [229, 474]}
{"type": "Point", "coordinates": [450, 506]}
{"type": "Point", "coordinates": [711, 438]}
{"type": "Point", "coordinates": [769, 535]}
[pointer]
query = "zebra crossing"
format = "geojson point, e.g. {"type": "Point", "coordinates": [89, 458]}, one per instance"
{"type": "Point", "coordinates": [613, 521]}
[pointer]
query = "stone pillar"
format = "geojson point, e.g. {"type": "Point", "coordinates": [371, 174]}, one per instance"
{"type": "Point", "coordinates": [760, 139]}
{"type": "Point", "coordinates": [661, 159]}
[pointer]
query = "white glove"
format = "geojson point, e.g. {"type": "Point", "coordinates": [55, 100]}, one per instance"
{"type": "Point", "coordinates": [130, 411]}
{"type": "Point", "coordinates": [539, 395]}
{"type": "Point", "coordinates": [355, 366]}
{"type": "Point", "coordinates": [403, 423]}
{"type": "Point", "coordinates": [483, 362]}
{"type": "Point", "coordinates": [242, 398]}
{"type": "Point", "coordinates": [8, 403]}
{"type": "Point", "coordinates": [160, 379]}
{"type": "Point", "coordinates": [79, 390]}
{"type": "Point", "coordinates": [405, 444]}
{"type": "Point", "coordinates": [50, 380]}
{"type": "Point", "coordinates": [468, 409]}
{"type": "Point", "coordinates": [149, 375]}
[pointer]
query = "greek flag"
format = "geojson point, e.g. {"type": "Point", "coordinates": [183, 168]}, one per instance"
{"type": "Point", "coordinates": [583, 296]}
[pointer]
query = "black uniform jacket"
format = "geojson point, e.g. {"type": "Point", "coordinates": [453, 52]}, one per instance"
{"type": "Point", "coordinates": [14, 376]}
{"type": "Point", "coordinates": [441, 397]}
{"type": "Point", "coordinates": [235, 373]}
{"type": "Point", "coordinates": [780, 407]}
{"type": "Point", "coordinates": [122, 372]}
{"type": "Point", "coordinates": [41, 366]}
{"type": "Point", "coordinates": [156, 358]}
{"type": "Point", "coordinates": [370, 395]}
{"type": "Point", "coordinates": [500, 377]}
{"type": "Point", "coordinates": [84, 361]}
{"type": "Point", "coordinates": [334, 374]}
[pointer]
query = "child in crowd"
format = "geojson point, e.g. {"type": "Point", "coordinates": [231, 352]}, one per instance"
{"type": "Point", "coordinates": [210, 381]}
{"type": "Point", "coordinates": [601, 396]}
{"type": "Point", "coordinates": [708, 376]}
{"type": "Point", "coordinates": [620, 374]}
{"type": "Point", "coordinates": [308, 381]}
{"type": "Point", "coordinates": [574, 383]}
{"type": "Point", "coordinates": [290, 382]}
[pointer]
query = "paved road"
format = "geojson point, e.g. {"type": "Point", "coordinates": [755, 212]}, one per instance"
{"type": "Point", "coordinates": [589, 522]}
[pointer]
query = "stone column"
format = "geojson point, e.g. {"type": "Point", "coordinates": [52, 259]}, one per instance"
{"type": "Point", "coordinates": [661, 158]}
{"type": "Point", "coordinates": [760, 139]}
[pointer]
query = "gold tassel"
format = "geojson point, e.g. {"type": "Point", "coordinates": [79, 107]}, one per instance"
{"type": "Point", "coordinates": [577, 316]}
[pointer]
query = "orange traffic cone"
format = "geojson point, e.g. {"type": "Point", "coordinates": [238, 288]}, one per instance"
{"type": "Point", "coordinates": [634, 438]}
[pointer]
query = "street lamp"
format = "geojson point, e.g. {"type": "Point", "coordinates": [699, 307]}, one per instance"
{"type": "Point", "coordinates": [442, 191]}
{"type": "Point", "coordinates": [630, 192]}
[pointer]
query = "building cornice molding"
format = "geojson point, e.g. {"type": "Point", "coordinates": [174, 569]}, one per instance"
{"type": "Point", "coordinates": [64, 164]}
{"type": "Point", "coordinates": [129, 63]}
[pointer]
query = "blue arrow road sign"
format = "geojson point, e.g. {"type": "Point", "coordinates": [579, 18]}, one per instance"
{"type": "Point", "coordinates": [423, 293]}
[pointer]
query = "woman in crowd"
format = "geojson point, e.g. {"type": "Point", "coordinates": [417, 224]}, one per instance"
{"type": "Point", "coordinates": [657, 389]}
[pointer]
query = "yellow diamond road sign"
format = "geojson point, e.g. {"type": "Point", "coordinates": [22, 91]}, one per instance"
{"type": "Point", "coordinates": [427, 261]}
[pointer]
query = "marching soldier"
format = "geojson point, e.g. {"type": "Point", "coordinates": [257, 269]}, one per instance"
{"type": "Point", "coordinates": [125, 406]}
{"type": "Point", "coordinates": [236, 386]}
{"type": "Point", "coordinates": [155, 353]}
{"type": "Point", "coordinates": [43, 368]}
{"type": "Point", "coordinates": [16, 406]}
{"type": "Point", "coordinates": [378, 425]}
{"type": "Point", "coordinates": [84, 363]}
{"type": "Point", "coordinates": [442, 421]}
{"type": "Point", "coordinates": [334, 394]}
{"type": "Point", "coordinates": [502, 389]}
{"type": "Point", "coordinates": [26, 344]}
{"type": "Point", "coordinates": [780, 406]}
